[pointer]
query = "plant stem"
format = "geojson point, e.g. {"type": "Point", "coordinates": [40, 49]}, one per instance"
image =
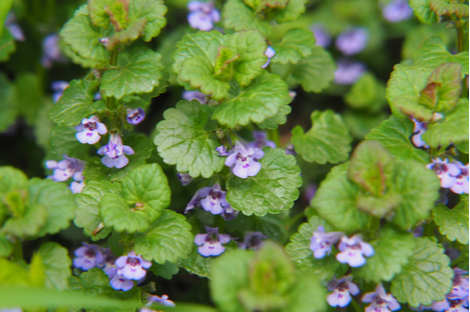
{"type": "Point", "coordinates": [274, 135]}
{"type": "Point", "coordinates": [295, 218]}
{"type": "Point", "coordinates": [18, 251]}
{"type": "Point", "coordinates": [428, 229]}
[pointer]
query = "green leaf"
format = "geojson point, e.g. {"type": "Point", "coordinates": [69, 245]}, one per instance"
{"type": "Point", "coordinates": [445, 7]}
{"type": "Point", "coordinates": [7, 45]}
{"type": "Point", "coordinates": [299, 251]}
{"type": "Point", "coordinates": [118, 14]}
{"type": "Point", "coordinates": [361, 123]}
{"type": "Point", "coordinates": [273, 189]}
{"type": "Point", "coordinates": [63, 140]}
{"type": "Point", "coordinates": [403, 90]}
{"type": "Point", "coordinates": [98, 15]}
{"type": "Point", "coordinates": [453, 222]}
{"type": "Point", "coordinates": [203, 44]}
{"type": "Point", "coordinates": [335, 201]}
{"type": "Point", "coordinates": [453, 129]}
{"type": "Point", "coordinates": [83, 38]}
{"type": "Point", "coordinates": [423, 11]}
{"type": "Point", "coordinates": [391, 251]}
{"type": "Point", "coordinates": [295, 45]}
{"type": "Point", "coordinates": [183, 140]}
{"type": "Point", "coordinates": [29, 96]}
{"type": "Point", "coordinates": [199, 73]}
{"type": "Point", "coordinates": [293, 10]}
{"type": "Point", "coordinates": [151, 10]}
{"type": "Point", "coordinates": [223, 69]}
{"type": "Point", "coordinates": [139, 72]}
{"type": "Point", "coordinates": [166, 270]}
{"type": "Point", "coordinates": [427, 277]}
{"type": "Point", "coordinates": [447, 79]}
{"type": "Point", "coordinates": [28, 224]}
{"type": "Point", "coordinates": [194, 263]}
{"type": "Point", "coordinates": [326, 141]}
{"type": "Point", "coordinates": [8, 105]}
{"type": "Point", "coordinates": [57, 199]}
{"type": "Point", "coordinates": [250, 45]}
{"type": "Point", "coordinates": [236, 15]}
{"type": "Point", "coordinates": [87, 213]}
{"type": "Point", "coordinates": [315, 72]}
{"type": "Point", "coordinates": [367, 93]}
{"type": "Point", "coordinates": [260, 100]}
{"type": "Point", "coordinates": [128, 35]}
{"type": "Point", "coordinates": [434, 53]}
{"type": "Point", "coordinates": [418, 188]}
{"type": "Point", "coordinates": [12, 179]}
{"type": "Point", "coordinates": [279, 119]}
{"type": "Point", "coordinates": [75, 104]}
{"type": "Point", "coordinates": [273, 226]}
{"type": "Point", "coordinates": [168, 239]}
{"type": "Point", "coordinates": [57, 265]}
{"type": "Point", "coordinates": [6, 247]}
{"type": "Point", "coordinates": [394, 135]}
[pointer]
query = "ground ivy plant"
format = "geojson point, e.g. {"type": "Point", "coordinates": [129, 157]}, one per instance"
{"type": "Point", "coordinates": [212, 193]}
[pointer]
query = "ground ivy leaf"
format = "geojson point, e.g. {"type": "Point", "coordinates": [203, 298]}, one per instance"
{"type": "Point", "coordinates": [293, 10]}
{"type": "Point", "coordinates": [57, 199]}
{"type": "Point", "coordinates": [250, 45]}
{"type": "Point", "coordinates": [140, 72]}
{"type": "Point", "coordinates": [447, 77]}
{"type": "Point", "coordinates": [419, 189]}
{"type": "Point", "coordinates": [6, 247]}
{"type": "Point", "coordinates": [168, 239]}
{"type": "Point", "coordinates": [335, 201]}
{"type": "Point", "coordinates": [327, 140]}
{"type": "Point", "coordinates": [166, 270]}
{"type": "Point", "coordinates": [87, 213]}
{"type": "Point", "coordinates": [29, 224]}
{"type": "Point", "coordinates": [12, 179]}
{"type": "Point", "coordinates": [203, 44]}
{"type": "Point", "coordinates": [427, 277]}
{"type": "Point", "coordinates": [273, 226]}
{"type": "Point", "coordinates": [279, 119]}
{"type": "Point", "coordinates": [434, 53]}
{"type": "Point", "coordinates": [367, 93]}
{"type": "Point", "coordinates": [453, 129]}
{"type": "Point", "coordinates": [147, 187]}
{"type": "Point", "coordinates": [56, 264]}
{"type": "Point", "coordinates": [151, 10]}
{"type": "Point", "coordinates": [423, 11]}
{"type": "Point", "coordinates": [236, 15]}
{"type": "Point", "coordinates": [314, 72]}
{"type": "Point", "coordinates": [182, 140]}
{"type": "Point", "coordinates": [299, 250]}
{"type": "Point", "coordinates": [394, 135]}
{"type": "Point", "coordinates": [127, 35]}
{"type": "Point", "coordinates": [446, 7]}
{"type": "Point", "coordinates": [98, 15]}
{"type": "Point", "coordinates": [75, 104]}
{"type": "Point", "coordinates": [260, 100]}
{"type": "Point", "coordinates": [295, 45]}
{"type": "Point", "coordinates": [115, 212]}
{"type": "Point", "coordinates": [272, 190]}
{"type": "Point", "coordinates": [194, 263]}
{"type": "Point", "coordinates": [453, 223]}
{"type": "Point", "coordinates": [392, 249]}
{"type": "Point", "coordinates": [83, 38]}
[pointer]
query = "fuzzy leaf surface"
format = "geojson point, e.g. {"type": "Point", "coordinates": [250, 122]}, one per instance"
{"type": "Point", "coordinates": [453, 223]}
{"type": "Point", "coordinates": [56, 264]}
{"type": "Point", "coordinates": [295, 45]}
{"type": "Point", "coordinates": [153, 11]}
{"type": "Point", "coordinates": [236, 15]}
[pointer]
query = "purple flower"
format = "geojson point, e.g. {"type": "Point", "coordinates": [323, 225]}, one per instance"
{"type": "Point", "coordinates": [253, 241]}
{"type": "Point", "coordinates": [110, 267]}
{"type": "Point", "coordinates": [66, 169]}
{"type": "Point", "coordinates": [115, 152]}
{"type": "Point", "coordinates": [396, 11]}
{"type": "Point", "coordinates": [243, 161]}
{"type": "Point", "coordinates": [88, 257]}
{"type": "Point", "coordinates": [353, 251]}
{"type": "Point", "coordinates": [322, 37]}
{"type": "Point", "coordinates": [211, 243]}
{"type": "Point", "coordinates": [290, 150]}
{"type": "Point", "coordinates": [222, 150]}
{"type": "Point", "coordinates": [51, 51]}
{"type": "Point", "coordinates": [132, 266]}
{"type": "Point", "coordinates": [460, 285]}
{"type": "Point", "coordinates": [348, 72]}
{"type": "Point", "coordinates": [460, 185]}
{"type": "Point", "coordinates": [380, 301]}
{"type": "Point", "coordinates": [15, 309]}
{"type": "Point", "coordinates": [418, 131]}
{"type": "Point", "coordinates": [58, 87]}
{"type": "Point", "coordinates": [270, 54]}
{"type": "Point", "coordinates": [352, 41]}
{"type": "Point", "coordinates": [14, 28]}
{"type": "Point", "coordinates": [90, 130]}
{"type": "Point", "coordinates": [229, 213]}
{"type": "Point", "coordinates": [184, 178]}
{"type": "Point", "coordinates": [77, 187]}
{"type": "Point", "coordinates": [135, 116]}
{"type": "Point", "coordinates": [260, 140]}
{"type": "Point", "coordinates": [213, 199]}
{"type": "Point", "coordinates": [194, 202]}
{"type": "Point", "coordinates": [194, 95]}
{"type": "Point", "coordinates": [118, 282]}
{"type": "Point", "coordinates": [163, 300]}
{"type": "Point", "coordinates": [446, 172]}
{"type": "Point", "coordinates": [310, 191]}
{"type": "Point", "coordinates": [322, 241]}
{"type": "Point", "coordinates": [341, 289]}
{"type": "Point", "coordinates": [202, 15]}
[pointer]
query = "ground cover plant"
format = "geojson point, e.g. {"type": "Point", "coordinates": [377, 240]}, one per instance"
{"type": "Point", "coordinates": [239, 155]}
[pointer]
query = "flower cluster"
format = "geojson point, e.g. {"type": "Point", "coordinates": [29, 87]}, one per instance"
{"type": "Point", "coordinates": [352, 249]}
{"type": "Point", "coordinates": [211, 243]}
{"type": "Point", "coordinates": [202, 15]}
{"type": "Point", "coordinates": [453, 175]}
{"type": "Point", "coordinates": [66, 169]}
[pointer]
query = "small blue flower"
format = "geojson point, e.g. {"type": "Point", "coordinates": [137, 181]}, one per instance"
{"type": "Point", "coordinates": [321, 242]}
{"type": "Point", "coordinates": [213, 199]}
{"type": "Point", "coordinates": [132, 266]}
{"type": "Point", "coordinates": [260, 140]}
{"type": "Point", "coordinates": [58, 87]}
{"type": "Point", "coordinates": [90, 129]}
{"type": "Point", "coordinates": [418, 131]}
{"type": "Point", "coordinates": [348, 72]}
{"type": "Point", "coordinates": [252, 240]}
{"type": "Point", "coordinates": [202, 15]}
{"type": "Point", "coordinates": [222, 150]}
{"type": "Point", "coordinates": [353, 251]}
{"type": "Point", "coordinates": [352, 41]}
{"type": "Point", "coordinates": [194, 95]}
{"type": "Point", "coordinates": [229, 213]}
{"type": "Point", "coordinates": [51, 51]}
{"type": "Point", "coordinates": [135, 116]}
{"type": "Point", "coordinates": [66, 169]}
{"type": "Point", "coordinates": [243, 161]}
{"type": "Point", "coordinates": [77, 187]}
{"type": "Point", "coordinates": [380, 301]}
{"type": "Point", "coordinates": [110, 267]}
{"type": "Point", "coordinates": [163, 300]}
{"type": "Point", "coordinates": [184, 178]}
{"type": "Point", "coordinates": [270, 54]}
{"type": "Point", "coordinates": [118, 282]}
{"type": "Point", "coordinates": [322, 36]}
{"type": "Point", "coordinates": [341, 289]}
{"type": "Point", "coordinates": [445, 171]}
{"type": "Point", "coordinates": [211, 243]}
{"type": "Point", "coordinates": [115, 152]}
{"type": "Point", "coordinates": [397, 10]}
{"type": "Point", "coordinates": [88, 256]}
{"type": "Point", "coordinates": [15, 29]}
{"type": "Point", "coordinates": [461, 184]}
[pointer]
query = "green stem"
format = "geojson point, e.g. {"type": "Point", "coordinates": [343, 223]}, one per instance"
{"type": "Point", "coordinates": [428, 229]}
{"type": "Point", "coordinates": [274, 135]}
{"type": "Point", "coordinates": [462, 37]}
{"type": "Point", "coordinates": [17, 251]}
{"type": "Point", "coordinates": [356, 305]}
{"type": "Point", "coordinates": [295, 218]}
